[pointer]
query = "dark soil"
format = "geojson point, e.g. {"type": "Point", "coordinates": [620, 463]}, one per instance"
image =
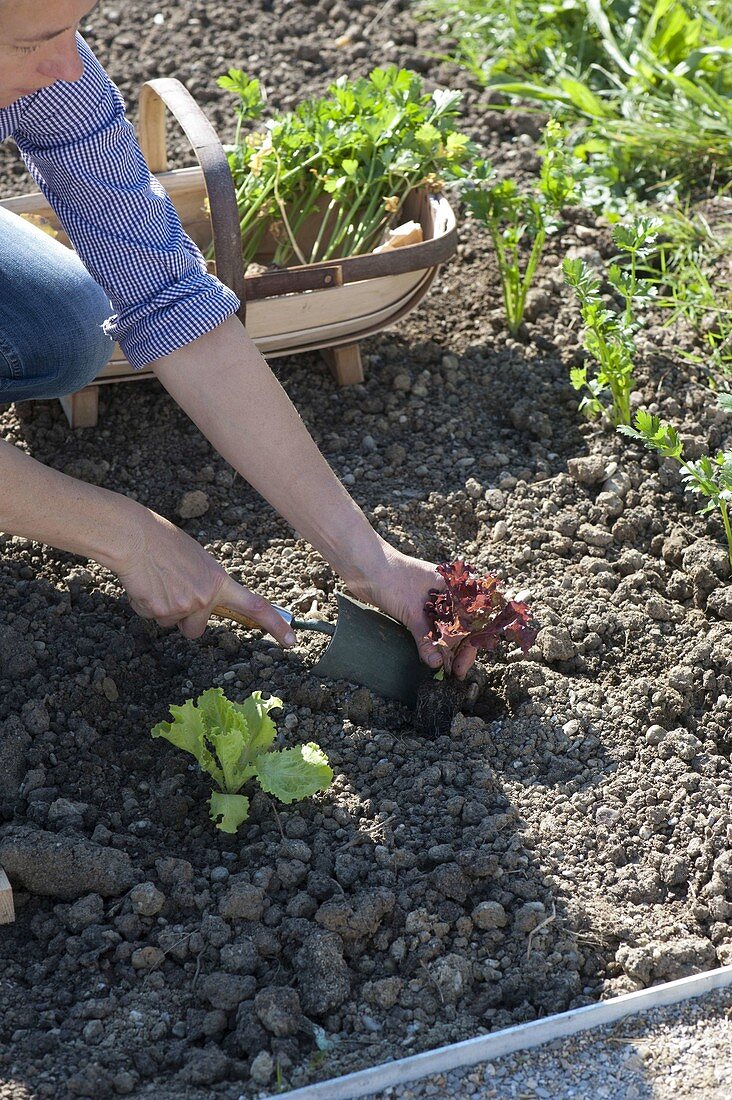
{"type": "Point", "coordinates": [568, 842]}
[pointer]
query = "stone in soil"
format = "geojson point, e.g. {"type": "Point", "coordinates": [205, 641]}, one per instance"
{"type": "Point", "coordinates": [62, 866]}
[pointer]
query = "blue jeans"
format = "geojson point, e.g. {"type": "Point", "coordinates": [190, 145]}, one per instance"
{"type": "Point", "coordinates": [51, 314]}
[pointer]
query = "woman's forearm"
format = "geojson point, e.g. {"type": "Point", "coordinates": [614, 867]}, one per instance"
{"type": "Point", "coordinates": [47, 506]}
{"type": "Point", "coordinates": [228, 390]}
{"type": "Point", "coordinates": [167, 575]}
{"type": "Point", "coordinates": [225, 386]}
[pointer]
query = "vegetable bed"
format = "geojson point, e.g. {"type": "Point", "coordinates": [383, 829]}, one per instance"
{"type": "Point", "coordinates": [566, 842]}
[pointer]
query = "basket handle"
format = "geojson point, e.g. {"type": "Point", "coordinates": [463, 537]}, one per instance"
{"type": "Point", "coordinates": [167, 92]}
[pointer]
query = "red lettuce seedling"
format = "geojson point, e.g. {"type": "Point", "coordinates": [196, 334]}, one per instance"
{"type": "Point", "coordinates": [473, 611]}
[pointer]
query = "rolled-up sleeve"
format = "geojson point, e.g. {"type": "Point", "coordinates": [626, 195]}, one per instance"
{"type": "Point", "coordinates": [83, 154]}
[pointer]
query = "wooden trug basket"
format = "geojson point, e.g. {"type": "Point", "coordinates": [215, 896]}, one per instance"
{"type": "Point", "coordinates": [327, 306]}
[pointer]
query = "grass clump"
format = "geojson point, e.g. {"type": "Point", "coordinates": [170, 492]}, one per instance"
{"type": "Point", "coordinates": [693, 271]}
{"type": "Point", "coordinates": [651, 80]}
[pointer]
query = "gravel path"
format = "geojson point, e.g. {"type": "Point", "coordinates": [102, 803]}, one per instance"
{"type": "Point", "coordinates": [680, 1052]}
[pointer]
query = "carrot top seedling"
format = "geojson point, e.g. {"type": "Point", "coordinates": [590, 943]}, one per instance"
{"type": "Point", "coordinates": [232, 742]}
{"type": "Point", "coordinates": [710, 475]}
{"type": "Point", "coordinates": [608, 334]}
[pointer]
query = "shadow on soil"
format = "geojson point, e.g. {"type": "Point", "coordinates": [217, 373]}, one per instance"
{"type": "Point", "coordinates": [477, 931]}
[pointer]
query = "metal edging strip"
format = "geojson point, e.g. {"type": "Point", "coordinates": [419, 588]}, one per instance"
{"type": "Point", "coordinates": [485, 1048]}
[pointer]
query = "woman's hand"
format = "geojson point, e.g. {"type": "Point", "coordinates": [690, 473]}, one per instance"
{"type": "Point", "coordinates": [170, 578]}
{"type": "Point", "coordinates": [401, 590]}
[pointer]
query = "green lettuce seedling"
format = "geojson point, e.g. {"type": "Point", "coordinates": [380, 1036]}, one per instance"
{"type": "Point", "coordinates": [232, 742]}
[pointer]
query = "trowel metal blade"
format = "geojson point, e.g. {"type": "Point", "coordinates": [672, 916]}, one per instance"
{"type": "Point", "coordinates": [371, 649]}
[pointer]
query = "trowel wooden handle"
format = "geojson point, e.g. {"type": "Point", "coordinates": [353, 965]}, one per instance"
{"type": "Point", "coordinates": [229, 613]}
{"type": "Point", "coordinates": [238, 617]}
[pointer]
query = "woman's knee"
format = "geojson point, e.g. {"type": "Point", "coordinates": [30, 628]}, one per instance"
{"type": "Point", "coordinates": [86, 348]}
{"type": "Point", "coordinates": [51, 316]}
{"type": "Point", "coordinates": [67, 362]}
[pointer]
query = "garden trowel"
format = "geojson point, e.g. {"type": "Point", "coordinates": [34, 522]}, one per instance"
{"type": "Point", "coordinates": [366, 647]}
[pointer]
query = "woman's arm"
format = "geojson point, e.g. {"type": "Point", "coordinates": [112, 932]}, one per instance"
{"type": "Point", "coordinates": [227, 389]}
{"type": "Point", "coordinates": [84, 156]}
{"type": "Point", "coordinates": [225, 386]}
{"type": "Point", "coordinates": [167, 575]}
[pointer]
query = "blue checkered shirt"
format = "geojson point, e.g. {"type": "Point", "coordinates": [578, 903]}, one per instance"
{"type": "Point", "coordinates": [83, 154]}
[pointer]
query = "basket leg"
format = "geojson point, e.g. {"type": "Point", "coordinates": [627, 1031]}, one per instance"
{"type": "Point", "coordinates": [82, 408]}
{"type": "Point", "coordinates": [7, 909]}
{"type": "Point", "coordinates": [345, 364]}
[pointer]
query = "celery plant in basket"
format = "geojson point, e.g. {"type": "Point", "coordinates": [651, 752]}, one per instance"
{"type": "Point", "coordinates": [608, 335]}
{"type": "Point", "coordinates": [232, 742]}
{"type": "Point", "coordinates": [710, 475]}
{"type": "Point", "coordinates": [518, 222]}
{"type": "Point", "coordinates": [349, 159]}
